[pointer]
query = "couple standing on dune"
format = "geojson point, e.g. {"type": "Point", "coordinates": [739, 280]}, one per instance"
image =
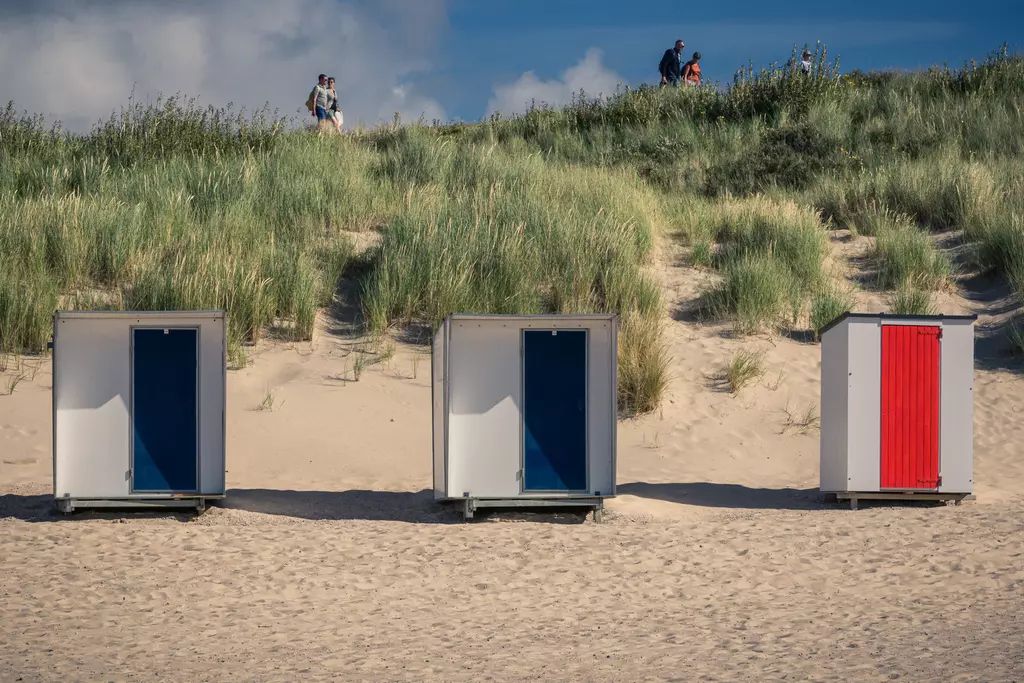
{"type": "Point", "coordinates": [323, 103]}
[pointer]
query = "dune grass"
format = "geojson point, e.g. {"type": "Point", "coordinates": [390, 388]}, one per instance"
{"type": "Point", "coordinates": [911, 299]}
{"type": "Point", "coordinates": [903, 252]}
{"type": "Point", "coordinates": [827, 304]}
{"type": "Point", "coordinates": [173, 235]}
{"type": "Point", "coordinates": [744, 368]}
{"type": "Point", "coordinates": [770, 252]}
{"type": "Point", "coordinates": [557, 209]}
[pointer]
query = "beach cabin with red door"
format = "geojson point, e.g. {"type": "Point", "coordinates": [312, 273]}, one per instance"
{"type": "Point", "coordinates": [897, 407]}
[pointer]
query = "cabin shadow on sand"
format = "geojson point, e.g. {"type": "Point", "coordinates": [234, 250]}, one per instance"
{"type": "Point", "coordinates": [385, 506]}
{"type": "Point", "coordinates": [417, 507]}
{"type": "Point", "coordinates": [735, 496]}
{"type": "Point", "coordinates": [41, 508]}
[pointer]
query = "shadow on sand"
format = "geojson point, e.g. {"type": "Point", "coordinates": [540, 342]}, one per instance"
{"type": "Point", "coordinates": [42, 509]}
{"type": "Point", "coordinates": [737, 497]}
{"type": "Point", "coordinates": [387, 506]}
{"type": "Point", "coordinates": [708, 494]}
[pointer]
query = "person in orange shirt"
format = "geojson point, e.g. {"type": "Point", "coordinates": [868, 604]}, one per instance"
{"type": "Point", "coordinates": [691, 70]}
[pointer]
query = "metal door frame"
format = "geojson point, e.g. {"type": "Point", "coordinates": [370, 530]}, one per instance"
{"type": "Point", "coordinates": [131, 416]}
{"type": "Point", "coordinates": [522, 411]}
{"type": "Point", "coordinates": [938, 428]}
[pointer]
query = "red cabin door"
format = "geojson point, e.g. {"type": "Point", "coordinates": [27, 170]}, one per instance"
{"type": "Point", "coordinates": [910, 407]}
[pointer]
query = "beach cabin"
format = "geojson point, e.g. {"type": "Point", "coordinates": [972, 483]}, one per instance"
{"type": "Point", "coordinates": [897, 407]}
{"type": "Point", "coordinates": [138, 408]}
{"type": "Point", "coordinates": [524, 410]}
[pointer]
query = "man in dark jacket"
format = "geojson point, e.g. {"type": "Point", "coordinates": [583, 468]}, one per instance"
{"type": "Point", "coordinates": [671, 66]}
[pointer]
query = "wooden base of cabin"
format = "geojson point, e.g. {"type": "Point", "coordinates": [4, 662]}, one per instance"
{"type": "Point", "coordinates": [900, 495]}
{"type": "Point", "coordinates": [596, 505]}
{"type": "Point", "coordinates": [69, 505]}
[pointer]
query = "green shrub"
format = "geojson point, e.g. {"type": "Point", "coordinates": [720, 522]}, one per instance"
{"type": "Point", "coordinates": [826, 306]}
{"type": "Point", "coordinates": [1000, 244]}
{"type": "Point", "coordinates": [757, 289]}
{"type": "Point", "coordinates": [771, 254]}
{"type": "Point", "coordinates": [789, 157]}
{"type": "Point", "coordinates": [643, 364]}
{"type": "Point", "coordinates": [744, 367]}
{"type": "Point", "coordinates": [910, 299]}
{"type": "Point", "coordinates": [27, 303]}
{"type": "Point", "coordinates": [941, 192]}
{"type": "Point", "coordinates": [902, 253]}
{"type": "Point", "coordinates": [702, 254]}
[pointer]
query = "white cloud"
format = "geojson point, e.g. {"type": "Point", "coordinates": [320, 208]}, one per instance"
{"type": "Point", "coordinates": [79, 61]}
{"type": "Point", "coordinates": [588, 75]}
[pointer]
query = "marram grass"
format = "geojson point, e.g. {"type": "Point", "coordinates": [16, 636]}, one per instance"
{"type": "Point", "coordinates": [558, 209]}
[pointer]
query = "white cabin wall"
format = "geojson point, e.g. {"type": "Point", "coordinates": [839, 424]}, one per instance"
{"type": "Point", "coordinates": [92, 399]}
{"type": "Point", "coordinates": [485, 395]}
{"type": "Point", "coordinates": [956, 436]}
{"type": "Point", "coordinates": [864, 412]}
{"type": "Point", "coordinates": [602, 407]}
{"type": "Point", "coordinates": [212, 375]}
{"type": "Point", "coordinates": [835, 346]}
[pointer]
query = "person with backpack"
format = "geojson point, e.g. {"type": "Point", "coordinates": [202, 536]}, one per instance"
{"type": "Point", "coordinates": [691, 70]}
{"type": "Point", "coordinates": [669, 67]}
{"type": "Point", "coordinates": [319, 101]}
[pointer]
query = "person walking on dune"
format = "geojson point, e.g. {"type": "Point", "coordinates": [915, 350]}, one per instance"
{"type": "Point", "coordinates": [334, 109]}
{"type": "Point", "coordinates": [670, 67]}
{"type": "Point", "coordinates": [321, 99]}
{"type": "Point", "coordinates": [805, 61]}
{"type": "Point", "coordinates": [691, 70]}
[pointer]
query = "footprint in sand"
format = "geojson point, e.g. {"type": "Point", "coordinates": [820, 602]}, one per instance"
{"type": "Point", "coordinates": [22, 461]}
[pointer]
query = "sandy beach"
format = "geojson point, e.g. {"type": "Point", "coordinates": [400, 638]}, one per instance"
{"type": "Point", "coordinates": [718, 561]}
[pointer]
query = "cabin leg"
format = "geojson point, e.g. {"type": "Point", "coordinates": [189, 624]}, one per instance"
{"type": "Point", "coordinates": [598, 515]}
{"type": "Point", "coordinates": [467, 509]}
{"type": "Point", "coordinates": [200, 505]}
{"type": "Point", "coordinates": [853, 503]}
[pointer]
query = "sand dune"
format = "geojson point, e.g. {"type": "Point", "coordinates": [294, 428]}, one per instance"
{"type": "Point", "coordinates": [329, 559]}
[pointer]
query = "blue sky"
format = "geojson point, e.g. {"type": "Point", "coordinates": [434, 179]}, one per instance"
{"type": "Point", "coordinates": [78, 60]}
{"type": "Point", "coordinates": [497, 42]}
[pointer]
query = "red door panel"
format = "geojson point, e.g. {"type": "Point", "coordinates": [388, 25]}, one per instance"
{"type": "Point", "coordinates": [910, 407]}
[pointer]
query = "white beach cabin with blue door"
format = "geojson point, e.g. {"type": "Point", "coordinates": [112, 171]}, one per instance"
{"type": "Point", "coordinates": [138, 408]}
{"type": "Point", "coordinates": [524, 410]}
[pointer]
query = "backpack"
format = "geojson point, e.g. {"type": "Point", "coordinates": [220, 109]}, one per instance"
{"type": "Point", "coordinates": [311, 100]}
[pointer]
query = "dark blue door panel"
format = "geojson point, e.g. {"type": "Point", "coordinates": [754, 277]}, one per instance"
{"type": "Point", "coordinates": [164, 410]}
{"type": "Point", "coordinates": [555, 410]}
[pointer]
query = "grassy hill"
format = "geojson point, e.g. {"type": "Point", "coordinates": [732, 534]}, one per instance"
{"type": "Point", "coordinates": [566, 210]}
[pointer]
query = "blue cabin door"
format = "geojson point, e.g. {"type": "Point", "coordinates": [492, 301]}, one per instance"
{"type": "Point", "coordinates": [165, 402]}
{"type": "Point", "coordinates": [554, 410]}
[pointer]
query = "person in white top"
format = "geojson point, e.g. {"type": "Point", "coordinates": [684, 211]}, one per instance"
{"type": "Point", "coordinates": [805, 63]}
{"type": "Point", "coordinates": [334, 110]}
